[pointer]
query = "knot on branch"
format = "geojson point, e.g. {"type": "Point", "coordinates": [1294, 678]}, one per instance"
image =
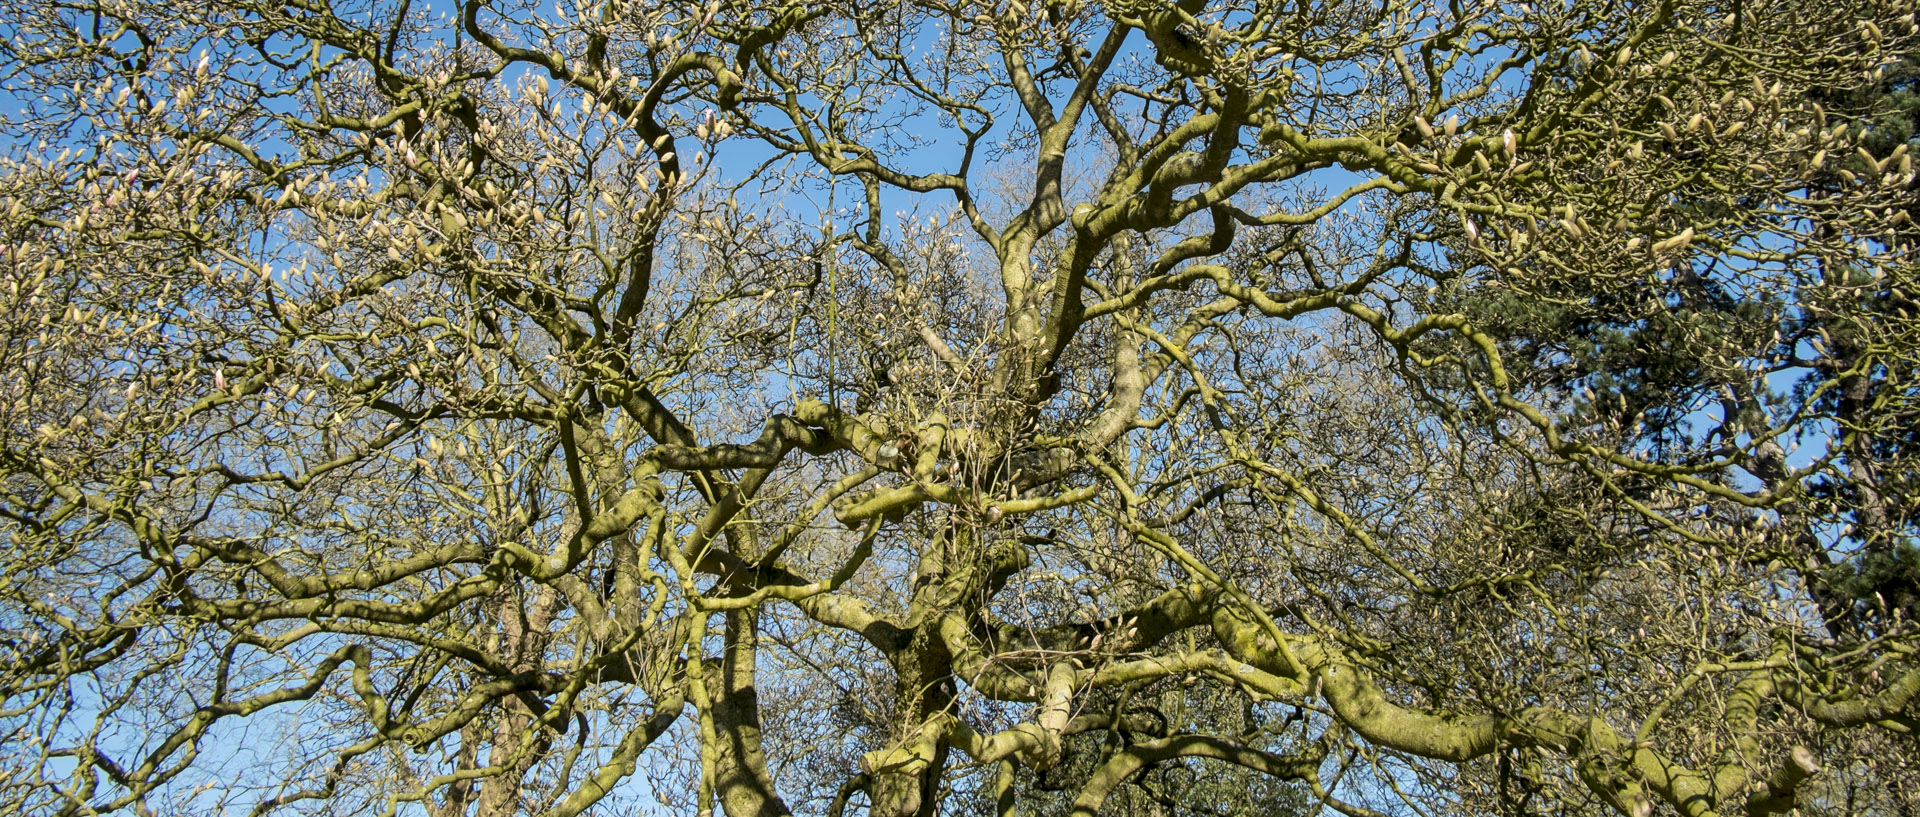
{"type": "Point", "coordinates": [1783, 787]}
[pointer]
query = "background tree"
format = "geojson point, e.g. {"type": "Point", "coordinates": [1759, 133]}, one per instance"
{"type": "Point", "coordinates": [917, 406]}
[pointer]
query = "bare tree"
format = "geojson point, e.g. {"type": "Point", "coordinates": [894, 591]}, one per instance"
{"type": "Point", "coordinates": [1194, 408]}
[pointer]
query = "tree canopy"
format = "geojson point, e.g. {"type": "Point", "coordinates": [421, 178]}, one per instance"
{"type": "Point", "coordinates": [942, 406]}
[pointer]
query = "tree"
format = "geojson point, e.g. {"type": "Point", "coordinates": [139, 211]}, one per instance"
{"type": "Point", "coordinates": [1206, 408]}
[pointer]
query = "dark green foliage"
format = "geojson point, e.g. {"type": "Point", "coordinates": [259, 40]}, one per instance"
{"type": "Point", "coordinates": [1639, 359]}
{"type": "Point", "coordinates": [1881, 583]}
